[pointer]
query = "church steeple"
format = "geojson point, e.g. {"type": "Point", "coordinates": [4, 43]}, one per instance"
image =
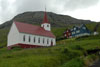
{"type": "Point", "coordinates": [45, 20]}
{"type": "Point", "coordinates": [45, 24]}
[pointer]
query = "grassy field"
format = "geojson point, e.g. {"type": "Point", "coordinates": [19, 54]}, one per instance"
{"type": "Point", "coordinates": [67, 52]}
{"type": "Point", "coordinates": [3, 37]}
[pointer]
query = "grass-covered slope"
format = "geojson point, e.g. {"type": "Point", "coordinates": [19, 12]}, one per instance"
{"type": "Point", "coordinates": [64, 54]}
{"type": "Point", "coordinates": [67, 52]}
{"type": "Point", "coordinates": [3, 37]}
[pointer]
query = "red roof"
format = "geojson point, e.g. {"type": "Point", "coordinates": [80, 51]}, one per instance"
{"type": "Point", "coordinates": [45, 20]}
{"type": "Point", "coordinates": [32, 29]}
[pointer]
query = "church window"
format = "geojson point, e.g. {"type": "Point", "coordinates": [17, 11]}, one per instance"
{"type": "Point", "coordinates": [47, 41]}
{"type": "Point", "coordinates": [29, 38]}
{"type": "Point", "coordinates": [24, 38]}
{"type": "Point", "coordinates": [34, 39]}
{"type": "Point", "coordinates": [51, 42]}
{"type": "Point", "coordinates": [47, 25]}
{"type": "Point", "coordinates": [43, 40]}
{"type": "Point", "coordinates": [39, 40]}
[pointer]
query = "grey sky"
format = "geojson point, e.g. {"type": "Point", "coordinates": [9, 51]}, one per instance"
{"type": "Point", "coordinates": [10, 8]}
{"type": "Point", "coordinates": [77, 4]}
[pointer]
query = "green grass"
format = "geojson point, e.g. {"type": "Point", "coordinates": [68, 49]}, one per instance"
{"type": "Point", "coordinates": [66, 53]}
{"type": "Point", "coordinates": [29, 61]}
{"type": "Point", "coordinates": [3, 37]}
{"type": "Point", "coordinates": [91, 26]}
{"type": "Point", "coordinates": [77, 62]}
{"type": "Point", "coordinates": [58, 32]}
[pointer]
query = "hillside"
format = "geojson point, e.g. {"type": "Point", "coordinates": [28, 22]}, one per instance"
{"type": "Point", "coordinates": [67, 53]}
{"type": "Point", "coordinates": [56, 20]}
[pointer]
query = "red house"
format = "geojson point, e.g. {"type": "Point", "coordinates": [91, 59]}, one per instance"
{"type": "Point", "coordinates": [67, 33]}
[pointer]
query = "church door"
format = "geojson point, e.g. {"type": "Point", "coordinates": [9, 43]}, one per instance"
{"type": "Point", "coordinates": [51, 43]}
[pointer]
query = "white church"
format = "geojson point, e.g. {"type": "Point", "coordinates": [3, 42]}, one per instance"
{"type": "Point", "coordinates": [31, 36]}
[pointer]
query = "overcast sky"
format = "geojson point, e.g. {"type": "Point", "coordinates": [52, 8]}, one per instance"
{"type": "Point", "coordinates": [81, 9]}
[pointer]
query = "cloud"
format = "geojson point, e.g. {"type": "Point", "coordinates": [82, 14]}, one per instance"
{"type": "Point", "coordinates": [7, 10]}
{"type": "Point", "coordinates": [10, 8]}
{"type": "Point", "coordinates": [29, 5]}
{"type": "Point", "coordinates": [76, 4]}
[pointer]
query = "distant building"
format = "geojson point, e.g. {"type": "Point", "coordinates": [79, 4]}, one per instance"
{"type": "Point", "coordinates": [67, 33]}
{"type": "Point", "coordinates": [80, 31]}
{"type": "Point", "coordinates": [77, 31]}
{"type": "Point", "coordinates": [30, 36]}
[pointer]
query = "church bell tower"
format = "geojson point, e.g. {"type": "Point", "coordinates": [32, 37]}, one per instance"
{"type": "Point", "coordinates": [45, 24]}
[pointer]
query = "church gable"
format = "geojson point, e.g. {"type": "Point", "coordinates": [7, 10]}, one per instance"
{"type": "Point", "coordinates": [13, 35]}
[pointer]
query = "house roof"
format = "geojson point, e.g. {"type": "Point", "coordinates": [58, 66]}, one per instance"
{"type": "Point", "coordinates": [32, 29]}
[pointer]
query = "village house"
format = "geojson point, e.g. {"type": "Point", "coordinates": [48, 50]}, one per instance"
{"type": "Point", "coordinates": [77, 31]}
{"type": "Point", "coordinates": [31, 36]}
{"type": "Point", "coordinates": [67, 33]}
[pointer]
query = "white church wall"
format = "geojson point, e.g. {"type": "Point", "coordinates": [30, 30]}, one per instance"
{"type": "Point", "coordinates": [13, 35]}
{"type": "Point", "coordinates": [36, 40]}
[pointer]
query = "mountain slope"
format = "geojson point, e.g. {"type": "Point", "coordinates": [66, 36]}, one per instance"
{"type": "Point", "coordinates": [56, 20]}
